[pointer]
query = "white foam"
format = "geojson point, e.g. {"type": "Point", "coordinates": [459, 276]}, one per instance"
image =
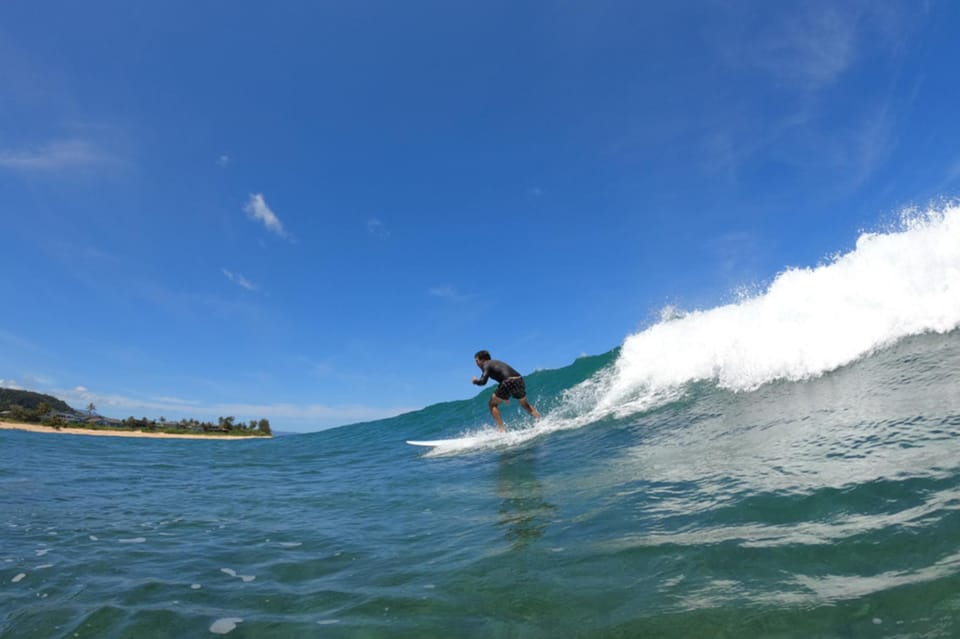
{"type": "Point", "coordinates": [195, 587]}
{"type": "Point", "coordinates": [18, 578]}
{"type": "Point", "coordinates": [133, 540]}
{"type": "Point", "coordinates": [225, 625]}
{"type": "Point", "coordinates": [42, 552]}
{"type": "Point", "coordinates": [808, 322]}
{"type": "Point", "coordinates": [290, 544]}
{"type": "Point", "coordinates": [233, 573]}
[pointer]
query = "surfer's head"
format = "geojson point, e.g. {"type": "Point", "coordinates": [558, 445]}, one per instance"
{"type": "Point", "coordinates": [481, 357]}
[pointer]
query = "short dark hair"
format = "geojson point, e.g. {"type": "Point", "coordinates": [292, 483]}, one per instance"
{"type": "Point", "coordinates": [482, 355]}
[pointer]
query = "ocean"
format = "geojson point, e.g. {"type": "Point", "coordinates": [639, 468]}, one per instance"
{"type": "Point", "coordinates": [786, 465]}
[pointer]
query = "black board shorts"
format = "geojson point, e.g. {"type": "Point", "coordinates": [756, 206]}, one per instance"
{"type": "Point", "coordinates": [511, 387]}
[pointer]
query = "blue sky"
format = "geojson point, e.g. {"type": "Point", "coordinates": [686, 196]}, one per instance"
{"type": "Point", "coordinates": [317, 212]}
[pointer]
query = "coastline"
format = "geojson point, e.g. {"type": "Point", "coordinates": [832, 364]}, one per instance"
{"type": "Point", "coordinates": [35, 428]}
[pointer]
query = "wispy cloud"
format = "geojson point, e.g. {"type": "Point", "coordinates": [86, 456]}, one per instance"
{"type": "Point", "coordinates": [316, 413]}
{"type": "Point", "coordinates": [240, 280]}
{"type": "Point", "coordinates": [54, 156]}
{"type": "Point", "coordinates": [12, 339]}
{"type": "Point", "coordinates": [256, 208]}
{"type": "Point", "coordinates": [37, 380]}
{"type": "Point", "coordinates": [306, 416]}
{"type": "Point", "coordinates": [810, 47]}
{"type": "Point", "coordinates": [808, 52]}
{"type": "Point", "coordinates": [176, 400]}
{"type": "Point", "coordinates": [378, 228]}
{"type": "Point", "coordinates": [448, 292]}
{"type": "Point", "coordinates": [321, 368]}
{"type": "Point", "coordinates": [443, 291]}
{"type": "Point", "coordinates": [812, 50]}
{"type": "Point", "coordinates": [311, 416]}
{"type": "Point", "coordinates": [223, 160]}
{"type": "Point", "coordinates": [873, 142]}
{"type": "Point", "coordinates": [735, 255]}
{"type": "Point", "coordinates": [953, 172]}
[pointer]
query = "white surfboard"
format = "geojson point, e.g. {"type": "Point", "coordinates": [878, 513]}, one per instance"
{"type": "Point", "coordinates": [459, 442]}
{"type": "Point", "coordinates": [479, 440]}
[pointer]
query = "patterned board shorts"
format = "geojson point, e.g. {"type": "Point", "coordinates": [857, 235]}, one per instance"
{"type": "Point", "coordinates": [511, 387]}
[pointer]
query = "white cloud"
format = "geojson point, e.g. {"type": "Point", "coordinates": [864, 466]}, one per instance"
{"type": "Point", "coordinates": [378, 228]}
{"type": "Point", "coordinates": [240, 280]}
{"type": "Point", "coordinates": [11, 384]}
{"type": "Point", "coordinates": [54, 156]}
{"type": "Point", "coordinates": [223, 160]}
{"type": "Point", "coordinates": [256, 208]}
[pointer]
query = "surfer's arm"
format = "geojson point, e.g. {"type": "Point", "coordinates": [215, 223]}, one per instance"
{"type": "Point", "coordinates": [482, 380]}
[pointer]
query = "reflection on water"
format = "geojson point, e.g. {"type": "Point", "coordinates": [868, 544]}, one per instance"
{"type": "Point", "coordinates": [523, 512]}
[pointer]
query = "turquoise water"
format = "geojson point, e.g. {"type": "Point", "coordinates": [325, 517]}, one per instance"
{"type": "Point", "coordinates": [787, 465]}
{"type": "Point", "coordinates": [828, 507]}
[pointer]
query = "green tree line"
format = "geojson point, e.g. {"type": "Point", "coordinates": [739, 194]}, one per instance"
{"type": "Point", "coordinates": [43, 413]}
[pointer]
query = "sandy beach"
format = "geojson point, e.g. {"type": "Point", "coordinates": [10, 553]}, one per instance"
{"type": "Point", "coordinates": [36, 428]}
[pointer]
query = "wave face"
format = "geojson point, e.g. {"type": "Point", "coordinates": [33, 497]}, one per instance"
{"type": "Point", "coordinates": [784, 466]}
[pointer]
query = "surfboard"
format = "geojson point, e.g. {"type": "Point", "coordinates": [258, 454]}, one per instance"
{"type": "Point", "coordinates": [480, 439]}
{"type": "Point", "coordinates": [459, 442]}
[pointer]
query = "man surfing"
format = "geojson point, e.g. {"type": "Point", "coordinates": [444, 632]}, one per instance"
{"type": "Point", "coordinates": [510, 385]}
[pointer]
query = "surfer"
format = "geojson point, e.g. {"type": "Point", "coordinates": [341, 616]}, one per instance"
{"type": "Point", "coordinates": [510, 385]}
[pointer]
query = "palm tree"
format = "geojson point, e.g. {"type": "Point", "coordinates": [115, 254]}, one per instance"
{"type": "Point", "coordinates": [265, 427]}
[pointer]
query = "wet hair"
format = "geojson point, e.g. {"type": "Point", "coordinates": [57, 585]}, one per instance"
{"type": "Point", "coordinates": [482, 355]}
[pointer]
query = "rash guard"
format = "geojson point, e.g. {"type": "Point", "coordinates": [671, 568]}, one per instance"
{"type": "Point", "coordinates": [497, 370]}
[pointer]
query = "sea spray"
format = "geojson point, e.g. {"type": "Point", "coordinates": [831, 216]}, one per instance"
{"type": "Point", "coordinates": [807, 322]}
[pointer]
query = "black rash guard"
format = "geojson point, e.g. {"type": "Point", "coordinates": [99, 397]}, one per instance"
{"type": "Point", "coordinates": [497, 370]}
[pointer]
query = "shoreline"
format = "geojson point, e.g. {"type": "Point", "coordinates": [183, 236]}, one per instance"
{"type": "Point", "coordinates": [65, 430]}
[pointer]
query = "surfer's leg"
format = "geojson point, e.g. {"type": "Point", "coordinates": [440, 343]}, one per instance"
{"type": "Point", "coordinates": [495, 411]}
{"type": "Point", "coordinates": [527, 406]}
